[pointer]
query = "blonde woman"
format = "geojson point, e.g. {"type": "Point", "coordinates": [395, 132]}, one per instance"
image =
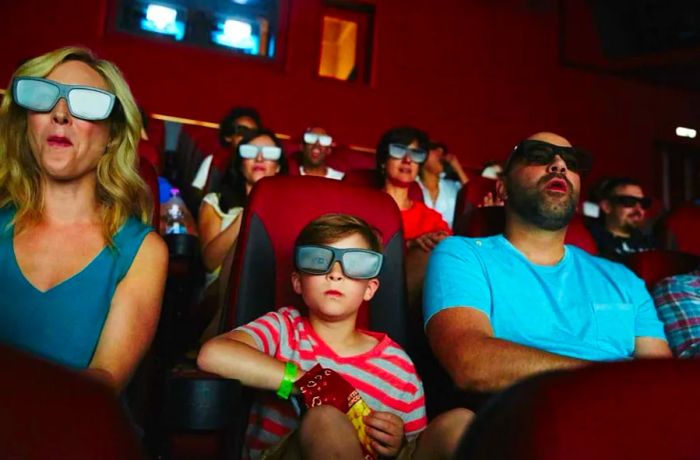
{"type": "Point", "coordinates": [81, 274]}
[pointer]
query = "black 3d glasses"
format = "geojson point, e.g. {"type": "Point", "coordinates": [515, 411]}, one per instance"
{"type": "Point", "coordinates": [629, 201]}
{"type": "Point", "coordinates": [535, 152]}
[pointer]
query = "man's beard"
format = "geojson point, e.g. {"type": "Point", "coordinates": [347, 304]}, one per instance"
{"type": "Point", "coordinates": [631, 226]}
{"type": "Point", "coordinates": [534, 206]}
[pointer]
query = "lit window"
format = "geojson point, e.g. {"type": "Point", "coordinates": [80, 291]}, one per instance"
{"type": "Point", "coordinates": [163, 20]}
{"type": "Point", "coordinates": [346, 41]}
{"type": "Point", "coordinates": [242, 26]}
{"type": "Point", "coordinates": [238, 34]}
{"type": "Point", "coordinates": [338, 48]}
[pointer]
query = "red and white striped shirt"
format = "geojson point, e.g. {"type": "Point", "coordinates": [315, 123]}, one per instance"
{"type": "Point", "coordinates": [384, 376]}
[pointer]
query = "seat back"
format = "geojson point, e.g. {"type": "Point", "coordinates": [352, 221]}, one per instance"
{"type": "Point", "coordinates": [345, 158]}
{"type": "Point", "coordinates": [278, 208]}
{"type": "Point", "coordinates": [605, 412]}
{"type": "Point", "coordinates": [368, 178]}
{"type": "Point", "coordinates": [51, 412]}
{"type": "Point", "coordinates": [681, 228]}
{"type": "Point", "coordinates": [491, 220]}
{"type": "Point", "coordinates": [653, 266]}
{"type": "Point", "coordinates": [469, 198]}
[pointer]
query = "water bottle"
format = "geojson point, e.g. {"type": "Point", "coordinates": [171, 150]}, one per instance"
{"type": "Point", "coordinates": [175, 214]}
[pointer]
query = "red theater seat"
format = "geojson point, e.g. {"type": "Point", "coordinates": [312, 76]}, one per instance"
{"type": "Point", "coordinates": [368, 178]}
{"type": "Point", "coordinates": [653, 266]}
{"type": "Point", "coordinates": [641, 409]}
{"type": "Point", "coordinates": [263, 261]}
{"type": "Point", "coordinates": [260, 281]}
{"type": "Point", "coordinates": [491, 220]}
{"type": "Point", "coordinates": [469, 198]}
{"type": "Point", "coordinates": [682, 229]}
{"type": "Point", "coordinates": [50, 412]}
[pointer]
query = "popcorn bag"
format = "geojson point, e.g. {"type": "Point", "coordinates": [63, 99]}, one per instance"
{"type": "Point", "coordinates": [325, 386]}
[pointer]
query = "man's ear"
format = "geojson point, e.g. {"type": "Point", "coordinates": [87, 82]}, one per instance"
{"type": "Point", "coordinates": [501, 189]}
{"type": "Point", "coordinates": [296, 282]}
{"type": "Point", "coordinates": [605, 206]}
{"type": "Point", "coordinates": [372, 286]}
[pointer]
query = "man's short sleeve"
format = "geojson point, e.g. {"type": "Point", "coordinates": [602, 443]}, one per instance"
{"type": "Point", "coordinates": [646, 321]}
{"type": "Point", "coordinates": [455, 277]}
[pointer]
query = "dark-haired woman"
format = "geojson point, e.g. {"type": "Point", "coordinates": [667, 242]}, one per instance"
{"type": "Point", "coordinates": [258, 155]}
{"type": "Point", "coordinates": [400, 153]}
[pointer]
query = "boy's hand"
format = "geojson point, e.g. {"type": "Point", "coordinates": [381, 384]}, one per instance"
{"type": "Point", "coordinates": [386, 431]}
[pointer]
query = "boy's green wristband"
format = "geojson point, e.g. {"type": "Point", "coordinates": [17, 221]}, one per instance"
{"type": "Point", "coordinates": [287, 383]}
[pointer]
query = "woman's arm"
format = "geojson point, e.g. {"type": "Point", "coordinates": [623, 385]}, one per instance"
{"type": "Point", "coordinates": [133, 315]}
{"type": "Point", "coordinates": [216, 244]}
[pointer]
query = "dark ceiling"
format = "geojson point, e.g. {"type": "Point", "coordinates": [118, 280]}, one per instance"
{"type": "Point", "coordinates": [657, 41]}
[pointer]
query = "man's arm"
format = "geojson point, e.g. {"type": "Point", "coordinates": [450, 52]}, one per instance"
{"type": "Point", "coordinates": [463, 341]}
{"type": "Point", "coordinates": [650, 347]}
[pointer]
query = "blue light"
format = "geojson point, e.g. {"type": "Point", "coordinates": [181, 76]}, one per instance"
{"type": "Point", "coordinates": [163, 20]}
{"type": "Point", "coordinates": [237, 34]}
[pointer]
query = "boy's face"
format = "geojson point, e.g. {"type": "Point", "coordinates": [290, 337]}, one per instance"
{"type": "Point", "coordinates": [333, 295]}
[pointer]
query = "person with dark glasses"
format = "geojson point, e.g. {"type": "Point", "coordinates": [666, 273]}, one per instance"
{"type": "Point", "coordinates": [316, 146]}
{"type": "Point", "coordinates": [337, 260]}
{"type": "Point", "coordinates": [400, 153]}
{"type": "Point", "coordinates": [81, 271]}
{"type": "Point", "coordinates": [499, 309]}
{"type": "Point", "coordinates": [240, 122]}
{"type": "Point", "coordinates": [259, 154]}
{"type": "Point", "coordinates": [620, 230]}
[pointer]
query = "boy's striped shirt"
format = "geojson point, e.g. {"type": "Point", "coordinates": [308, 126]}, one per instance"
{"type": "Point", "coordinates": [384, 376]}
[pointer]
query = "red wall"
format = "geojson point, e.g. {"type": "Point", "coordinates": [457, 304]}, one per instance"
{"type": "Point", "coordinates": [478, 74]}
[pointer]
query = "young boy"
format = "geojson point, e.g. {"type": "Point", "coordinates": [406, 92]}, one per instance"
{"type": "Point", "coordinates": [337, 259]}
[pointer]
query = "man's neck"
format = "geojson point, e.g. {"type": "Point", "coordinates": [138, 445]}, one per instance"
{"type": "Point", "coordinates": [540, 246]}
{"type": "Point", "coordinates": [617, 231]}
{"type": "Point", "coordinates": [315, 170]}
{"type": "Point", "coordinates": [341, 336]}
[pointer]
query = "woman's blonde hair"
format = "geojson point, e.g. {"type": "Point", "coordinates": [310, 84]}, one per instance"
{"type": "Point", "coordinates": [121, 193]}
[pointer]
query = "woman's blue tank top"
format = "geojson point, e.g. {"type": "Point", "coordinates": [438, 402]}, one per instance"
{"type": "Point", "coordinates": [64, 323]}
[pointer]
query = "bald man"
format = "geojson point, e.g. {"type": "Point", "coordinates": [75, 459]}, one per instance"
{"type": "Point", "coordinates": [501, 308]}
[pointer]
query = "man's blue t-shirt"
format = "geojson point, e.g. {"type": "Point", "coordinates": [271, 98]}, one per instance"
{"type": "Point", "coordinates": [584, 307]}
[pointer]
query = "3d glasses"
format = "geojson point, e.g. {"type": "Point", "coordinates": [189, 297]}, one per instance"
{"type": "Point", "coordinates": [316, 259]}
{"type": "Point", "coordinates": [535, 152]}
{"type": "Point", "coordinates": [629, 201]}
{"type": "Point", "coordinates": [323, 139]}
{"type": "Point", "coordinates": [41, 95]}
{"type": "Point", "coordinates": [399, 151]}
{"type": "Point", "coordinates": [250, 151]}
